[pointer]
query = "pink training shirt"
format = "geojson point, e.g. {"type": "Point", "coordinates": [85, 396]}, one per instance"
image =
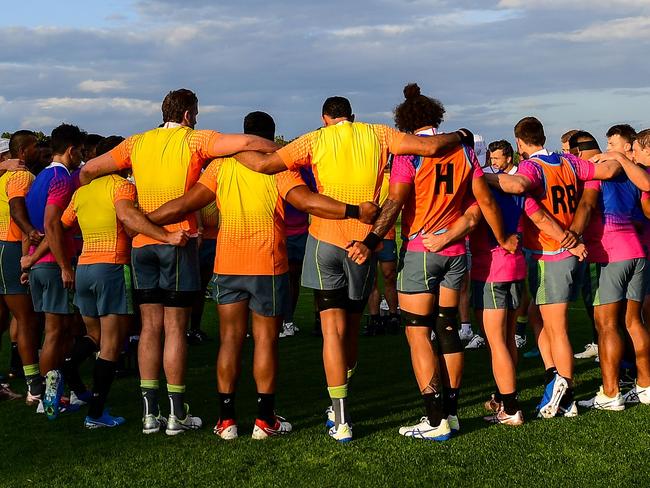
{"type": "Point", "coordinates": [584, 171]}
{"type": "Point", "coordinates": [404, 170]}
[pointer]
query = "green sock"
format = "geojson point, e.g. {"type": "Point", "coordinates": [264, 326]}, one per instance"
{"type": "Point", "coordinates": [149, 390]}
{"type": "Point", "coordinates": [176, 394]}
{"type": "Point", "coordinates": [351, 371]}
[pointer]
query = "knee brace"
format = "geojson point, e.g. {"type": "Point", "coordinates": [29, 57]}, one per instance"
{"type": "Point", "coordinates": [329, 299]}
{"type": "Point", "coordinates": [148, 296]}
{"type": "Point", "coordinates": [415, 320]}
{"type": "Point", "coordinates": [356, 306]}
{"type": "Point", "coordinates": [178, 299]}
{"type": "Point", "coordinates": [447, 331]}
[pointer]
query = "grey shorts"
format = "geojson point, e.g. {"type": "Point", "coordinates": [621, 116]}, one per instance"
{"type": "Point", "coordinates": [104, 289]}
{"type": "Point", "coordinates": [497, 296]}
{"type": "Point", "coordinates": [327, 267]}
{"type": "Point", "coordinates": [48, 294]}
{"type": "Point", "coordinates": [388, 253]}
{"type": "Point", "coordinates": [615, 282]}
{"type": "Point", "coordinates": [10, 254]}
{"type": "Point", "coordinates": [646, 278]}
{"type": "Point", "coordinates": [267, 295]}
{"type": "Point", "coordinates": [554, 281]}
{"type": "Point", "coordinates": [296, 247]}
{"type": "Point", "coordinates": [426, 272]}
{"type": "Point", "coordinates": [208, 253]}
{"type": "Point", "coordinates": [166, 267]}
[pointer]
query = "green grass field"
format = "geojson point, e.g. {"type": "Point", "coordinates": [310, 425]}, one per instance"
{"type": "Point", "coordinates": [595, 449]}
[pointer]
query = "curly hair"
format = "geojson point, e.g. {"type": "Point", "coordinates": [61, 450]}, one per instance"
{"type": "Point", "coordinates": [417, 110]}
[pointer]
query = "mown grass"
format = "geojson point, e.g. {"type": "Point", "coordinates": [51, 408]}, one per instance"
{"type": "Point", "coordinates": [595, 449]}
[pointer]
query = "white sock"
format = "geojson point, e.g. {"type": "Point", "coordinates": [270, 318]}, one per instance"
{"type": "Point", "coordinates": [466, 328]}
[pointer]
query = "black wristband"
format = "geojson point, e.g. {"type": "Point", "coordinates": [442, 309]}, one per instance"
{"type": "Point", "coordinates": [371, 241]}
{"type": "Point", "coordinates": [351, 211]}
{"type": "Point", "coordinates": [466, 137]}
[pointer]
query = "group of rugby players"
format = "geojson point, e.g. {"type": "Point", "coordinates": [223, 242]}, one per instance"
{"type": "Point", "coordinates": [156, 212]}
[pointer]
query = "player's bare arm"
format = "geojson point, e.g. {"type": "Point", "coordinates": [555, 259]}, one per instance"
{"type": "Point", "coordinates": [175, 210]}
{"type": "Point", "coordinates": [458, 230]}
{"type": "Point", "coordinates": [302, 198]}
{"type": "Point", "coordinates": [492, 214]}
{"type": "Point", "coordinates": [134, 219]}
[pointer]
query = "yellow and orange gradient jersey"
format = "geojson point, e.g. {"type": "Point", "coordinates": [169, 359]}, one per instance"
{"type": "Point", "coordinates": [348, 160]}
{"type": "Point", "coordinates": [210, 220]}
{"type": "Point", "coordinates": [166, 162]}
{"type": "Point", "coordinates": [13, 184]}
{"type": "Point", "coordinates": [251, 238]}
{"type": "Point", "coordinates": [93, 207]}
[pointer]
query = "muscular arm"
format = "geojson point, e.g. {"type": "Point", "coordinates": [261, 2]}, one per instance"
{"type": "Point", "coordinates": [588, 202]}
{"type": "Point", "coordinates": [513, 184]}
{"type": "Point", "coordinates": [269, 164]}
{"type": "Point", "coordinates": [174, 210]}
{"type": "Point", "coordinates": [397, 195]}
{"type": "Point", "coordinates": [54, 233]}
{"type": "Point", "coordinates": [135, 220]}
{"type": "Point", "coordinates": [96, 167]}
{"type": "Point", "coordinates": [458, 230]}
{"type": "Point", "coordinates": [18, 212]}
{"type": "Point", "coordinates": [636, 173]}
{"type": "Point", "coordinates": [227, 144]}
{"type": "Point", "coordinates": [41, 250]}
{"type": "Point", "coordinates": [312, 203]}
{"type": "Point", "coordinates": [490, 211]}
{"type": "Point", "coordinates": [427, 146]}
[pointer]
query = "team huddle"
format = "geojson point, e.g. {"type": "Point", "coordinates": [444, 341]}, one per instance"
{"type": "Point", "coordinates": [141, 229]}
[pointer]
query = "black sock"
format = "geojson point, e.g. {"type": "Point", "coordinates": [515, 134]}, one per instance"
{"type": "Point", "coordinates": [375, 317]}
{"type": "Point", "coordinates": [450, 401]}
{"type": "Point", "coordinates": [510, 403]}
{"type": "Point", "coordinates": [83, 348]}
{"type": "Point", "coordinates": [433, 404]}
{"type": "Point", "coordinates": [35, 384]}
{"type": "Point", "coordinates": [497, 396]}
{"type": "Point", "coordinates": [549, 374]}
{"type": "Point", "coordinates": [521, 329]}
{"type": "Point", "coordinates": [150, 401]}
{"type": "Point", "coordinates": [15, 363]}
{"type": "Point", "coordinates": [226, 406]}
{"type": "Point", "coordinates": [266, 407]}
{"type": "Point", "coordinates": [103, 375]}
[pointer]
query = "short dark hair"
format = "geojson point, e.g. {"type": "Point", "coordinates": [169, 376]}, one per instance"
{"type": "Point", "coordinates": [567, 135]}
{"type": "Point", "coordinates": [417, 110]}
{"type": "Point", "coordinates": [503, 146]}
{"type": "Point", "coordinates": [93, 139]}
{"type": "Point", "coordinates": [19, 140]}
{"type": "Point", "coordinates": [626, 132]}
{"type": "Point", "coordinates": [176, 103]}
{"type": "Point", "coordinates": [643, 138]}
{"type": "Point", "coordinates": [64, 136]}
{"type": "Point", "coordinates": [531, 131]}
{"type": "Point", "coordinates": [260, 124]}
{"type": "Point", "coordinates": [108, 143]}
{"type": "Point", "coordinates": [583, 136]}
{"type": "Point", "coordinates": [337, 107]}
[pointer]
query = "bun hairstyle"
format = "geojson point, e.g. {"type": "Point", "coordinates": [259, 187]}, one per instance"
{"type": "Point", "coordinates": [417, 110]}
{"type": "Point", "coordinates": [412, 90]}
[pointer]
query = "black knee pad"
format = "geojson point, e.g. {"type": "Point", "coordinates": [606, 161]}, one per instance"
{"type": "Point", "coordinates": [149, 296]}
{"type": "Point", "coordinates": [415, 320]}
{"type": "Point", "coordinates": [178, 299]}
{"type": "Point", "coordinates": [356, 306]}
{"type": "Point", "coordinates": [329, 299]}
{"type": "Point", "coordinates": [447, 331]}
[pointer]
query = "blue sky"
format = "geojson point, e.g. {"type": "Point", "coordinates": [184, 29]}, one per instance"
{"type": "Point", "coordinates": [107, 65]}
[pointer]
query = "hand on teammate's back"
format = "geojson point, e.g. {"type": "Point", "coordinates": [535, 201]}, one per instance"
{"type": "Point", "coordinates": [570, 239]}
{"type": "Point", "coordinates": [580, 251]}
{"type": "Point", "coordinates": [35, 237]}
{"type": "Point", "coordinates": [368, 212]}
{"type": "Point", "coordinates": [511, 243]}
{"type": "Point", "coordinates": [434, 242]}
{"type": "Point", "coordinates": [178, 238]}
{"type": "Point", "coordinates": [13, 165]}
{"type": "Point", "coordinates": [67, 276]}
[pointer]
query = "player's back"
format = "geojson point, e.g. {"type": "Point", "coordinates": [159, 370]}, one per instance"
{"type": "Point", "coordinates": [348, 160]}
{"type": "Point", "coordinates": [50, 183]}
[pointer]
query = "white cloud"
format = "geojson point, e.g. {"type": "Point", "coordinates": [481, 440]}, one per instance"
{"type": "Point", "coordinates": [97, 86]}
{"type": "Point", "coordinates": [629, 28]}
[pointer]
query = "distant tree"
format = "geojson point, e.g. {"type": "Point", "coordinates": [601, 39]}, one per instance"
{"type": "Point", "coordinates": [39, 136]}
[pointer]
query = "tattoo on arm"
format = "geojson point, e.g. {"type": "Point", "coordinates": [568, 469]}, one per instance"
{"type": "Point", "coordinates": [387, 217]}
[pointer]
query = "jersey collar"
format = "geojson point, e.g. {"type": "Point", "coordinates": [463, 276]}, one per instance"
{"type": "Point", "coordinates": [541, 152]}
{"type": "Point", "coordinates": [171, 125]}
{"type": "Point", "coordinates": [56, 164]}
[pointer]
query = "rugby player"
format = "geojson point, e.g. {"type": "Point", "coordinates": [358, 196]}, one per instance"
{"type": "Point", "coordinates": [433, 192]}
{"type": "Point", "coordinates": [251, 268]}
{"type": "Point", "coordinates": [553, 180]}
{"type": "Point", "coordinates": [348, 159]}
{"type": "Point", "coordinates": [605, 216]}
{"type": "Point", "coordinates": [166, 163]}
{"type": "Point", "coordinates": [51, 278]}
{"type": "Point", "coordinates": [16, 235]}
